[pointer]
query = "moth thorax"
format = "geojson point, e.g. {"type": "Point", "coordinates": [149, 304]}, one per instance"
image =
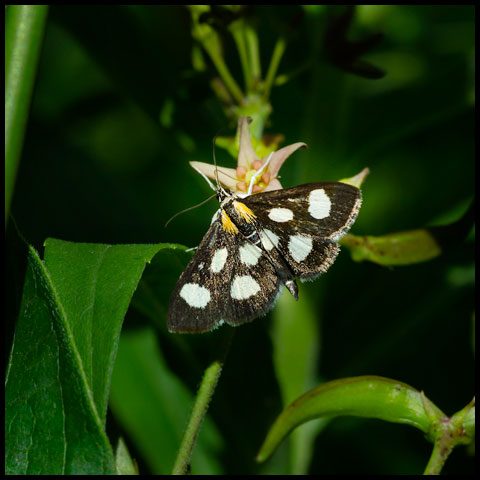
{"type": "Point", "coordinates": [227, 223]}
{"type": "Point", "coordinates": [243, 211]}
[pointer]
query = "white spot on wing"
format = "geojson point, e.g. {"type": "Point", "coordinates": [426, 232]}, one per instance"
{"type": "Point", "coordinates": [269, 239]}
{"type": "Point", "coordinates": [280, 214]}
{"type": "Point", "coordinates": [195, 295]}
{"type": "Point", "coordinates": [244, 287]}
{"type": "Point", "coordinates": [319, 204]}
{"type": "Point", "coordinates": [299, 247]}
{"type": "Point", "coordinates": [249, 254]}
{"type": "Point", "coordinates": [218, 260]}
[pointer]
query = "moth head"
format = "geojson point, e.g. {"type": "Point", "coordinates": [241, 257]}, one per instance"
{"type": "Point", "coordinates": [223, 193]}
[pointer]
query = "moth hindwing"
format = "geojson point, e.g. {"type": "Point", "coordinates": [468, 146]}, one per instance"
{"type": "Point", "coordinates": [254, 246]}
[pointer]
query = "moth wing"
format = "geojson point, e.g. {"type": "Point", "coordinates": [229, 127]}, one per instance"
{"type": "Point", "coordinates": [325, 209]}
{"type": "Point", "coordinates": [304, 223]}
{"type": "Point", "coordinates": [227, 280]}
{"type": "Point", "coordinates": [254, 285]}
{"type": "Point", "coordinates": [194, 305]}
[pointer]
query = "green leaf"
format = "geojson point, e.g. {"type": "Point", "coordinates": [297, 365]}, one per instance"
{"type": "Point", "coordinates": [413, 246]}
{"type": "Point", "coordinates": [365, 396]}
{"type": "Point", "coordinates": [95, 283]}
{"type": "Point", "coordinates": [63, 355]}
{"type": "Point", "coordinates": [153, 293]}
{"type": "Point", "coordinates": [24, 28]}
{"type": "Point", "coordinates": [51, 423]}
{"type": "Point", "coordinates": [153, 407]}
{"type": "Point", "coordinates": [401, 248]}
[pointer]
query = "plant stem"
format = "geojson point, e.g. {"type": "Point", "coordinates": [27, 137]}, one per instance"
{"type": "Point", "coordinates": [200, 407]}
{"type": "Point", "coordinates": [441, 450]}
{"type": "Point", "coordinates": [253, 53]}
{"type": "Point", "coordinates": [238, 35]}
{"type": "Point", "coordinates": [450, 432]}
{"type": "Point", "coordinates": [273, 67]}
{"type": "Point", "coordinates": [224, 73]}
{"type": "Point", "coordinates": [24, 28]}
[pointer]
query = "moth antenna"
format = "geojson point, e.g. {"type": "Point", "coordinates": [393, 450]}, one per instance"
{"type": "Point", "coordinates": [215, 161]}
{"type": "Point", "coordinates": [190, 208]}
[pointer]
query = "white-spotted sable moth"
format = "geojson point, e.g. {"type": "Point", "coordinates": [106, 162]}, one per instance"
{"type": "Point", "coordinates": [254, 246]}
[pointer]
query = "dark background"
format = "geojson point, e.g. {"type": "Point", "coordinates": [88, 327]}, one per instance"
{"type": "Point", "coordinates": [118, 112]}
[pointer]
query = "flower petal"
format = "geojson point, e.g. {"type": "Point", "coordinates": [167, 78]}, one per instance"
{"type": "Point", "coordinates": [273, 185]}
{"type": "Point", "coordinates": [281, 155]}
{"type": "Point", "coordinates": [246, 153]}
{"type": "Point", "coordinates": [227, 176]}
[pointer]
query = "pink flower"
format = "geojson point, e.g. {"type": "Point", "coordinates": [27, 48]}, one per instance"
{"type": "Point", "coordinates": [249, 166]}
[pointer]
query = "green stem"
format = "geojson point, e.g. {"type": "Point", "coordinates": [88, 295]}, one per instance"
{"type": "Point", "coordinates": [273, 67]}
{"type": "Point", "coordinates": [223, 71]}
{"type": "Point", "coordinates": [238, 36]}
{"type": "Point", "coordinates": [24, 28]}
{"type": "Point", "coordinates": [441, 450]}
{"type": "Point", "coordinates": [200, 407]}
{"type": "Point", "coordinates": [253, 53]}
{"type": "Point", "coordinates": [448, 433]}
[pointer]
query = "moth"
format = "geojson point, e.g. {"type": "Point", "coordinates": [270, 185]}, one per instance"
{"type": "Point", "coordinates": [255, 246]}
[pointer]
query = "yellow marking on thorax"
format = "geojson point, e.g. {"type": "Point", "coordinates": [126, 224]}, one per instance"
{"type": "Point", "coordinates": [228, 225]}
{"type": "Point", "coordinates": [244, 211]}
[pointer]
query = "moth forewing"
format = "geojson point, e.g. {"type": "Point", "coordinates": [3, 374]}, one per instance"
{"type": "Point", "coordinates": [325, 209]}
{"type": "Point", "coordinates": [227, 280]}
{"type": "Point", "coordinates": [194, 305]}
